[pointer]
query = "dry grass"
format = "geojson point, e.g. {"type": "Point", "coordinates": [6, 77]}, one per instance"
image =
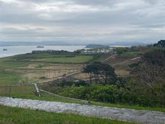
{"type": "Point", "coordinates": [45, 72]}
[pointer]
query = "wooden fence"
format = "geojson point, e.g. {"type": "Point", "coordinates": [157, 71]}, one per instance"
{"type": "Point", "coordinates": [17, 90]}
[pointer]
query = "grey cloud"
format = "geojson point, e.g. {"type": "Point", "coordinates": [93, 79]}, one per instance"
{"type": "Point", "coordinates": [95, 2]}
{"type": "Point", "coordinates": [111, 19]}
{"type": "Point", "coordinates": [153, 1]}
{"type": "Point", "coordinates": [85, 2]}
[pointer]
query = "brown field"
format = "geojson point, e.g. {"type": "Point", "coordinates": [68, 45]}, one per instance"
{"type": "Point", "coordinates": [44, 73]}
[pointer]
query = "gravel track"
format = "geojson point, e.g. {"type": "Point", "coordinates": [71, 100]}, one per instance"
{"type": "Point", "coordinates": [139, 116]}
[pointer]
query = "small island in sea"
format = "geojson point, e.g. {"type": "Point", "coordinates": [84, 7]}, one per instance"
{"type": "Point", "coordinates": [4, 49]}
{"type": "Point", "coordinates": [40, 46]}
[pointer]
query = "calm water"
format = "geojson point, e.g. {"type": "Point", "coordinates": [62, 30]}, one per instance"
{"type": "Point", "coordinates": [15, 50]}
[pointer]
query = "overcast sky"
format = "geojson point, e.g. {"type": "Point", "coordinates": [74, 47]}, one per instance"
{"type": "Point", "coordinates": [101, 21]}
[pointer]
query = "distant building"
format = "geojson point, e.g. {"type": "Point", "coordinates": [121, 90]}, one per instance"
{"type": "Point", "coordinates": [97, 50]}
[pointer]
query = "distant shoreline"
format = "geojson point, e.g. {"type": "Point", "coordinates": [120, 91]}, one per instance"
{"type": "Point", "coordinates": [17, 50]}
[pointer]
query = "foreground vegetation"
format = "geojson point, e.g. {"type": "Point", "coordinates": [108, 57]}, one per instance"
{"type": "Point", "coordinates": [10, 115]}
{"type": "Point", "coordinates": [28, 92]}
{"type": "Point", "coordinates": [107, 95]}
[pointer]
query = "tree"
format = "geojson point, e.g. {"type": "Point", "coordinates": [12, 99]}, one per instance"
{"type": "Point", "coordinates": [101, 73]}
{"type": "Point", "coordinates": [160, 43]}
{"type": "Point", "coordinates": [150, 75]}
{"type": "Point", "coordinates": [151, 68]}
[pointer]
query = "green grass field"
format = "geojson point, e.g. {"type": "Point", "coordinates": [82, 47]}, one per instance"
{"type": "Point", "coordinates": [131, 54]}
{"type": "Point", "coordinates": [52, 58]}
{"type": "Point", "coordinates": [66, 59]}
{"type": "Point", "coordinates": [12, 63]}
{"type": "Point", "coordinates": [26, 59]}
{"type": "Point", "coordinates": [10, 115]}
{"type": "Point", "coordinates": [7, 78]}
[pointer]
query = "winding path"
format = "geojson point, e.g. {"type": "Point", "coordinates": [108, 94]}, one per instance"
{"type": "Point", "coordinates": [139, 116]}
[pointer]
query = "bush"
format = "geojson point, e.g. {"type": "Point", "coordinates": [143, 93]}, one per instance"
{"type": "Point", "coordinates": [113, 94]}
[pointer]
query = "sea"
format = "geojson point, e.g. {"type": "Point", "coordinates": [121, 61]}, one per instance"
{"type": "Point", "coordinates": [6, 51]}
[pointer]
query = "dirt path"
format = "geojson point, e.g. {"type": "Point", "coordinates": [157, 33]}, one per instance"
{"type": "Point", "coordinates": [139, 116]}
{"type": "Point", "coordinates": [123, 62]}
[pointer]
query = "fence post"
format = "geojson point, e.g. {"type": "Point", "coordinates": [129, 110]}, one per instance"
{"type": "Point", "coordinates": [37, 89]}
{"type": "Point", "coordinates": [9, 91]}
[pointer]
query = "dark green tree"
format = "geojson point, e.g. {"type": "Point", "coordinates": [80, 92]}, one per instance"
{"type": "Point", "coordinates": [101, 73]}
{"type": "Point", "coordinates": [160, 43]}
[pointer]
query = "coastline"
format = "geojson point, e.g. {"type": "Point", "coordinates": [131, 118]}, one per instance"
{"type": "Point", "coordinates": [17, 50]}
